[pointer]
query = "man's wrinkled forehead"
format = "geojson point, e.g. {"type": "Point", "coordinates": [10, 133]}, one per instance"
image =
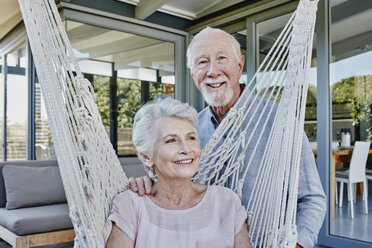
{"type": "Point", "coordinates": [207, 37]}
{"type": "Point", "coordinates": [204, 44]}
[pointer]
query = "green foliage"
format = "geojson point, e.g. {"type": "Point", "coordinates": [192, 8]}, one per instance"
{"type": "Point", "coordinates": [129, 98]}
{"type": "Point", "coordinates": [352, 94]}
{"type": "Point", "coordinates": [102, 97]}
{"type": "Point", "coordinates": [129, 101]}
{"type": "Point", "coordinates": [156, 90]}
{"type": "Point", "coordinates": [310, 113]}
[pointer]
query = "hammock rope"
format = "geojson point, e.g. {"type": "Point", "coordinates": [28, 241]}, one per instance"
{"type": "Point", "coordinates": [270, 110]}
{"type": "Point", "coordinates": [83, 149]}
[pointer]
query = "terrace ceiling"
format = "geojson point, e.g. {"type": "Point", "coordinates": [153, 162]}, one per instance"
{"type": "Point", "coordinates": [189, 9]}
{"type": "Point", "coordinates": [343, 15]}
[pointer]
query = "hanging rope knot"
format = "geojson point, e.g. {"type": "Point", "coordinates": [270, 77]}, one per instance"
{"type": "Point", "coordinates": [232, 113]}
{"type": "Point", "coordinates": [241, 161]}
{"type": "Point", "coordinates": [80, 234]}
{"type": "Point", "coordinates": [87, 188]}
{"type": "Point", "coordinates": [227, 144]}
{"type": "Point", "coordinates": [241, 112]}
{"type": "Point", "coordinates": [90, 233]}
{"type": "Point", "coordinates": [74, 216]}
{"type": "Point", "coordinates": [86, 166]}
{"type": "Point", "coordinates": [85, 120]}
{"type": "Point", "coordinates": [236, 115]}
{"type": "Point", "coordinates": [214, 138]}
{"type": "Point", "coordinates": [83, 141]}
{"type": "Point", "coordinates": [249, 218]}
{"type": "Point", "coordinates": [82, 85]}
{"type": "Point", "coordinates": [288, 238]}
{"type": "Point", "coordinates": [82, 115]}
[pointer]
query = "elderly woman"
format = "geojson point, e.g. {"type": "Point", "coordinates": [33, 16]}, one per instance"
{"type": "Point", "coordinates": [179, 212]}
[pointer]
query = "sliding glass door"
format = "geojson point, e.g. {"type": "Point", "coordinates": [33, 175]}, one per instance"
{"type": "Point", "coordinates": [351, 98]}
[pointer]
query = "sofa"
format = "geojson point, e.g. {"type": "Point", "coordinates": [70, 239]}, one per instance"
{"type": "Point", "coordinates": [33, 207]}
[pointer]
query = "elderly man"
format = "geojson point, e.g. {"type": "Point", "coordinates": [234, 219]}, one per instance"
{"type": "Point", "coordinates": [215, 63]}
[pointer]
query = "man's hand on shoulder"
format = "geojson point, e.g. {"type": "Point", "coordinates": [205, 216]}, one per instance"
{"type": "Point", "coordinates": [141, 185]}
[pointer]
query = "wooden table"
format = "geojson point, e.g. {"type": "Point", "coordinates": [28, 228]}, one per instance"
{"type": "Point", "coordinates": [340, 156]}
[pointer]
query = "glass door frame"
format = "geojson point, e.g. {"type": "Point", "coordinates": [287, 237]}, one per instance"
{"type": "Point", "coordinates": [324, 125]}
{"type": "Point", "coordinates": [107, 20]}
{"type": "Point", "coordinates": [324, 108]}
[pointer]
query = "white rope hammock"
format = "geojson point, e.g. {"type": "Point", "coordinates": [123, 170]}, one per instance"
{"type": "Point", "coordinates": [92, 174]}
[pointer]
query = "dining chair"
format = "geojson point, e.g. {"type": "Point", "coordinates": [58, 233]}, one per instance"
{"type": "Point", "coordinates": [355, 174]}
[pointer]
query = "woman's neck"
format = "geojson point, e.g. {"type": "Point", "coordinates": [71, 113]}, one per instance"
{"type": "Point", "coordinates": [177, 194]}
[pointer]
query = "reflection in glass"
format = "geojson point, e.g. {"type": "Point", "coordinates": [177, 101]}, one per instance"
{"type": "Point", "coordinates": [241, 37]}
{"type": "Point", "coordinates": [101, 85]}
{"type": "Point", "coordinates": [141, 68]}
{"type": "Point", "coordinates": [130, 95]}
{"type": "Point", "coordinates": [351, 89]}
{"type": "Point", "coordinates": [1, 106]}
{"type": "Point", "coordinates": [44, 149]}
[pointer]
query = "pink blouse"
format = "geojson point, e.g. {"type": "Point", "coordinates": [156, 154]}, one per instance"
{"type": "Point", "coordinates": [213, 222]}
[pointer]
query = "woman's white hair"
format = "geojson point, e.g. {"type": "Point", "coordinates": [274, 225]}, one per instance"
{"type": "Point", "coordinates": [208, 30]}
{"type": "Point", "coordinates": [144, 135]}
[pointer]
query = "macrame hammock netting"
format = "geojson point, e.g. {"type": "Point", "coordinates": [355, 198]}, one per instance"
{"type": "Point", "coordinates": [270, 111]}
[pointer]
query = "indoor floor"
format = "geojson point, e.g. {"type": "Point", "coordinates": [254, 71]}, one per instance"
{"type": "Point", "coordinates": [358, 228]}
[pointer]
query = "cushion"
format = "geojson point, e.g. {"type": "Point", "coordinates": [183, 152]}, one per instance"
{"type": "Point", "coordinates": [2, 188]}
{"type": "Point", "coordinates": [33, 163]}
{"type": "Point", "coordinates": [32, 220]}
{"type": "Point", "coordinates": [32, 186]}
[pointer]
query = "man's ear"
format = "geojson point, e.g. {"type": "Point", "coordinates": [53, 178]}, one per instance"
{"type": "Point", "coordinates": [146, 159]}
{"type": "Point", "coordinates": [188, 68]}
{"type": "Point", "coordinates": [241, 63]}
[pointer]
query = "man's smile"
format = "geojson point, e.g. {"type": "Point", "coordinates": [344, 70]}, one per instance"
{"type": "Point", "coordinates": [216, 85]}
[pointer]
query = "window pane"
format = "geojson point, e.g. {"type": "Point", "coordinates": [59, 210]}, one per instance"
{"type": "Point", "coordinates": [1, 106]}
{"type": "Point", "coordinates": [44, 149]}
{"type": "Point", "coordinates": [101, 85]}
{"type": "Point", "coordinates": [351, 89]}
{"type": "Point", "coordinates": [17, 58]}
{"type": "Point", "coordinates": [141, 68]}
{"type": "Point", "coordinates": [129, 101]}
{"type": "Point", "coordinates": [16, 117]}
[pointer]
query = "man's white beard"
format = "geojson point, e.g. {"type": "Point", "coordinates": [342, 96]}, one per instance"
{"type": "Point", "coordinates": [219, 98]}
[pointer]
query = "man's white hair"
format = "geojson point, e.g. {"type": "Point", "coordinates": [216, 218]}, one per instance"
{"type": "Point", "coordinates": [206, 31]}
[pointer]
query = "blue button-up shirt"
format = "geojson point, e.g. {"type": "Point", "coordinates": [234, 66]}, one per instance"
{"type": "Point", "coordinates": [311, 203]}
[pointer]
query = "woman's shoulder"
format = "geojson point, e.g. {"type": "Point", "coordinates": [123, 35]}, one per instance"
{"type": "Point", "coordinates": [126, 197]}
{"type": "Point", "coordinates": [219, 188]}
{"type": "Point", "coordinates": [223, 193]}
{"type": "Point", "coordinates": [126, 194]}
{"type": "Point", "coordinates": [226, 203]}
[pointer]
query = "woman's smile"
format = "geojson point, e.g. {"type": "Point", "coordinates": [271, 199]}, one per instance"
{"type": "Point", "coordinates": [184, 162]}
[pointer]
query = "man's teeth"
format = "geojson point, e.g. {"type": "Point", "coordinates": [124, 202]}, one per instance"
{"type": "Point", "coordinates": [184, 161]}
{"type": "Point", "coordinates": [215, 85]}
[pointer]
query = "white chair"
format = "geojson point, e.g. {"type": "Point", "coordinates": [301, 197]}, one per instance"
{"type": "Point", "coordinates": [355, 174]}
